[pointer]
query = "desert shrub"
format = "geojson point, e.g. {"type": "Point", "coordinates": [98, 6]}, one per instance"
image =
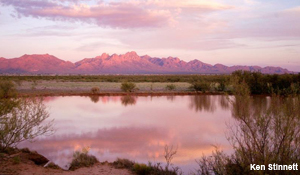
{"type": "Point", "coordinates": [95, 90]}
{"type": "Point", "coordinates": [128, 87]}
{"type": "Point", "coordinates": [170, 87]}
{"type": "Point", "coordinates": [215, 164]}
{"type": "Point", "coordinates": [141, 169]}
{"type": "Point", "coordinates": [221, 86]}
{"type": "Point", "coordinates": [200, 86]}
{"type": "Point", "coordinates": [25, 150]}
{"type": "Point", "coordinates": [16, 160]}
{"type": "Point", "coordinates": [7, 90]}
{"type": "Point", "coordinates": [154, 169]}
{"type": "Point", "coordinates": [82, 159]}
{"type": "Point", "coordinates": [123, 163]}
{"type": "Point", "coordinates": [8, 96]}
{"type": "Point", "coordinates": [158, 169]}
{"type": "Point", "coordinates": [53, 166]}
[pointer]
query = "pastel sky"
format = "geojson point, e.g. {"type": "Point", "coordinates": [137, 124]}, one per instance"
{"type": "Point", "coordinates": [231, 32]}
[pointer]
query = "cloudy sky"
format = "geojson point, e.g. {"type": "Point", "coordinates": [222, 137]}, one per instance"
{"type": "Point", "coordinates": [231, 32]}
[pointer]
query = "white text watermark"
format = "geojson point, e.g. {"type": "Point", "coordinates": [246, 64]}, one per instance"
{"type": "Point", "coordinates": [274, 166]}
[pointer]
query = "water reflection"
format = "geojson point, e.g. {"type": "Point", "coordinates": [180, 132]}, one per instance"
{"type": "Point", "coordinates": [250, 106]}
{"type": "Point", "coordinates": [224, 101]}
{"type": "Point", "coordinates": [171, 97]}
{"type": "Point", "coordinates": [128, 100]}
{"type": "Point", "coordinates": [111, 129]}
{"type": "Point", "coordinates": [107, 144]}
{"type": "Point", "coordinates": [94, 98]}
{"type": "Point", "coordinates": [202, 103]}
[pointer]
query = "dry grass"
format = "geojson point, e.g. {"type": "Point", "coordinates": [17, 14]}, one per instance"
{"type": "Point", "coordinates": [51, 86]}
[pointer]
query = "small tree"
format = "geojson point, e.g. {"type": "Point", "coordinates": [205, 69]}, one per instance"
{"type": "Point", "coordinates": [20, 119]}
{"type": "Point", "coordinates": [128, 87]}
{"type": "Point", "coordinates": [169, 155]}
{"type": "Point", "coordinates": [23, 122]}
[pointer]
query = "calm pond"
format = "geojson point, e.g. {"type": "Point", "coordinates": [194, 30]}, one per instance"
{"type": "Point", "coordinates": [136, 128]}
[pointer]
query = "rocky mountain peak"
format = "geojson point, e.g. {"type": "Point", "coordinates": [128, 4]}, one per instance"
{"type": "Point", "coordinates": [127, 63]}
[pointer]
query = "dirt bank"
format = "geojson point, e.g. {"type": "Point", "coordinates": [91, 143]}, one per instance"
{"type": "Point", "coordinates": [31, 163]}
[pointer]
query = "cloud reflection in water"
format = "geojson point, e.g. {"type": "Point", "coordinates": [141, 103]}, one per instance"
{"type": "Point", "coordinates": [112, 128]}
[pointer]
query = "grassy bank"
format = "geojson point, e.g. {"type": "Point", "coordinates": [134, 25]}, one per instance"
{"type": "Point", "coordinates": [51, 87]}
{"type": "Point", "coordinates": [155, 84]}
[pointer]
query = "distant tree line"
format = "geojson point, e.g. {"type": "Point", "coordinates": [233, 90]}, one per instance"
{"type": "Point", "coordinates": [259, 83]}
{"type": "Point", "coordinates": [117, 78]}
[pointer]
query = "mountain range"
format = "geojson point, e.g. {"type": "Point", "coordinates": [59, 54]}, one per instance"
{"type": "Point", "coordinates": [129, 63]}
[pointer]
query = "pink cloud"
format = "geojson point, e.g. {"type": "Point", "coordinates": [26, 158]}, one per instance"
{"type": "Point", "coordinates": [122, 14]}
{"type": "Point", "coordinates": [190, 5]}
{"type": "Point", "coordinates": [119, 15]}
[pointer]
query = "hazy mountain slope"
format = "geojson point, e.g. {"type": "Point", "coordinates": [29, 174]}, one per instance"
{"type": "Point", "coordinates": [129, 63]}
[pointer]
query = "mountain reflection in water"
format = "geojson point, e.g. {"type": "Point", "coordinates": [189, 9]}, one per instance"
{"type": "Point", "coordinates": [136, 128]}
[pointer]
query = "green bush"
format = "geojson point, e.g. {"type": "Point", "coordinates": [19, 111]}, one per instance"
{"type": "Point", "coordinates": [200, 86]}
{"type": "Point", "coordinates": [123, 163]}
{"type": "Point", "coordinates": [53, 166]}
{"type": "Point", "coordinates": [95, 90]}
{"type": "Point", "coordinates": [170, 87]}
{"type": "Point", "coordinates": [7, 89]}
{"type": "Point", "coordinates": [82, 159]}
{"type": "Point", "coordinates": [221, 86]}
{"type": "Point", "coordinates": [141, 169]}
{"type": "Point", "coordinates": [8, 99]}
{"type": "Point", "coordinates": [16, 160]}
{"type": "Point", "coordinates": [128, 87]}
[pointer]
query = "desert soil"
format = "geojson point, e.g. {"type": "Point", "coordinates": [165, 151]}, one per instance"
{"type": "Point", "coordinates": [11, 167]}
{"type": "Point", "coordinates": [32, 169]}
{"type": "Point", "coordinates": [26, 162]}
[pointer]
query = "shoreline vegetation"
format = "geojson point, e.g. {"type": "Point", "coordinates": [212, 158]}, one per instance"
{"type": "Point", "coordinates": [156, 85]}
{"type": "Point", "coordinates": [25, 161]}
{"type": "Point", "coordinates": [259, 136]}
